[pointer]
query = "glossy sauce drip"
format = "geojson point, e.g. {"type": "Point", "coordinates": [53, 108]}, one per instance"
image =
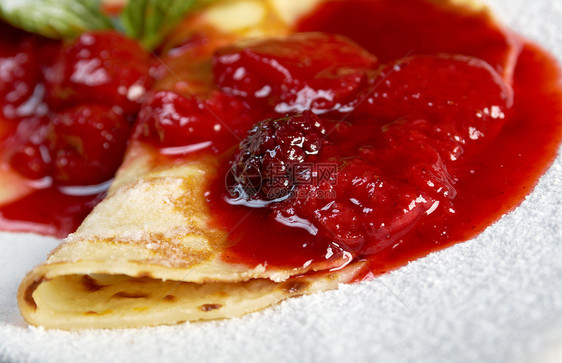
{"type": "Point", "coordinates": [490, 182]}
{"type": "Point", "coordinates": [48, 212]}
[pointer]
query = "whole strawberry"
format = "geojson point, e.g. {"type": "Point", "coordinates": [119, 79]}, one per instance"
{"type": "Point", "coordinates": [273, 156]}
{"type": "Point", "coordinates": [103, 67]}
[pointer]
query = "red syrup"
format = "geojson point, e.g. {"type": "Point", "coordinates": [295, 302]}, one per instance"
{"type": "Point", "coordinates": [49, 212]}
{"type": "Point", "coordinates": [489, 180]}
{"type": "Point", "coordinates": [64, 123]}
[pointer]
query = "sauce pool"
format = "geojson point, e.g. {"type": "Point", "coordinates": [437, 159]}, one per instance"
{"type": "Point", "coordinates": [490, 183]}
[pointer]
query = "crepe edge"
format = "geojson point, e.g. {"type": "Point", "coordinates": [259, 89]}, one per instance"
{"type": "Point", "coordinates": [51, 297]}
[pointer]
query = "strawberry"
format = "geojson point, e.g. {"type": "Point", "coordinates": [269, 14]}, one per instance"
{"type": "Point", "coordinates": [87, 143]}
{"type": "Point", "coordinates": [268, 158]}
{"type": "Point", "coordinates": [19, 72]}
{"type": "Point", "coordinates": [103, 67]}
{"type": "Point", "coordinates": [169, 119]}
{"type": "Point", "coordinates": [316, 71]}
{"type": "Point", "coordinates": [28, 152]}
{"type": "Point", "coordinates": [461, 97]}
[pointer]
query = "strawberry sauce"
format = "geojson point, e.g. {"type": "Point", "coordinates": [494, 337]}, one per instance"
{"type": "Point", "coordinates": [489, 177]}
{"type": "Point", "coordinates": [66, 112]}
{"type": "Point", "coordinates": [384, 131]}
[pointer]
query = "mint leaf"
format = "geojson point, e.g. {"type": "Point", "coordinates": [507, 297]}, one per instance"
{"type": "Point", "coordinates": [150, 21]}
{"type": "Point", "coordinates": [59, 19]}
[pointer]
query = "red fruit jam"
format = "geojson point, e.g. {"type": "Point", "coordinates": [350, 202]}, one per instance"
{"type": "Point", "coordinates": [315, 71]}
{"type": "Point", "coordinates": [66, 117]}
{"type": "Point", "coordinates": [172, 120]}
{"type": "Point", "coordinates": [103, 67]}
{"type": "Point", "coordinates": [87, 143]}
{"type": "Point", "coordinates": [443, 128]}
{"type": "Point", "coordinates": [383, 131]}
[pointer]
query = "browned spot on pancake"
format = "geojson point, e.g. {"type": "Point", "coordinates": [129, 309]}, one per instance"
{"type": "Point", "coordinates": [28, 294]}
{"type": "Point", "coordinates": [192, 203]}
{"type": "Point", "coordinates": [210, 307]}
{"type": "Point", "coordinates": [140, 280]}
{"type": "Point", "coordinates": [131, 295]}
{"type": "Point", "coordinates": [217, 239]}
{"type": "Point", "coordinates": [295, 286]}
{"type": "Point", "coordinates": [105, 312]}
{"type": "Point", "coordinates": [221, 293]}
{"type": "Point", "coordinates": [166, 250]}
{"type": "Point", "coordinates": [90, 284]}
{"type": "Point", "coordinates": [145, 274]}
{"type": "Point", "coordinates": [175, 253]}
{"type": "Point", "coordinates": [169, 298]}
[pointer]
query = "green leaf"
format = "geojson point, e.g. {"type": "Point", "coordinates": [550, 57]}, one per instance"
{"type": "Point", "coordinates": [59, 19]}
{"type": "Point", "coordinates": [150, 21]}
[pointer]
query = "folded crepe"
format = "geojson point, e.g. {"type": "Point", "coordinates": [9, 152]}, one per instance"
{"type": "Point", "coordinates": [146, 255]}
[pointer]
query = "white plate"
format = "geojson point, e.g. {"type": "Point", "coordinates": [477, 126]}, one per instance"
{"type": "Point", "coordinates": [497, 298]}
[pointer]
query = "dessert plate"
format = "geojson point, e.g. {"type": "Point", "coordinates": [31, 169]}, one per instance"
{"type": "Point", "coordinates": [494, 298]}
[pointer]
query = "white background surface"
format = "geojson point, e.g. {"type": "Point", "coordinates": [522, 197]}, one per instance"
{"type": "Point", "coordinates": [497, 298]}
